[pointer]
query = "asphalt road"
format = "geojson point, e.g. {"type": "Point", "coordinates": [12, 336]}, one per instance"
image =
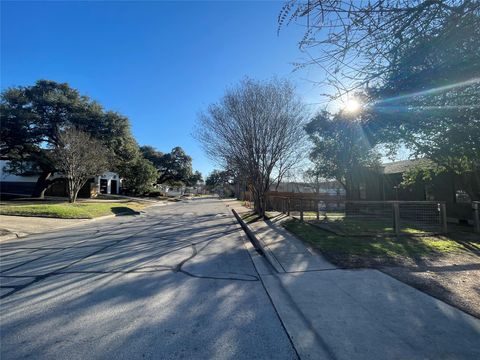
{"type": "Point", "coordinates": [175, 282]}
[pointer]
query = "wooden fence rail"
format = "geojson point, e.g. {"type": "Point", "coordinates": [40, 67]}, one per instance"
{"type": "Point", "coordinates": [400, 216]}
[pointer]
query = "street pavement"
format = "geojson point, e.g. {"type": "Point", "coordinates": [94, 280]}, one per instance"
{"type": "Point", "coordinates": [175, 282]}
{"type": "Point", "coordinates": [183, 282]}
{"type": "Point", "coordinates": [12, 227]}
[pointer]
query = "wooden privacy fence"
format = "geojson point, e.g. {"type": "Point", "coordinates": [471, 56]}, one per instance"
{"type": "Point", "coordinates": [348, 217]}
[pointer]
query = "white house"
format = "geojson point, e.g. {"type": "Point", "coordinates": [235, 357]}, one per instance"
{"type": "Point", "coordinates": [107, 183]}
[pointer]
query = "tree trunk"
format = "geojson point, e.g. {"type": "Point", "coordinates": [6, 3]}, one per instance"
{"type": "Point", "coordinates": [71, 191]}
{"type": "Point", "coordinates": [42, 184]}
{"type": "Point", "coordinates": [349, 187]}
{"type": "Point", "coordinates": [74, 196]}
{"type": "Point", "coordinates": [260, 201]}
{"type": "Point", "coordinates": [259, 204]}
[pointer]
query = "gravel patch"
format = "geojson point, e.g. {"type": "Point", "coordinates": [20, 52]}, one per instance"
{"type": "Point", "coordinates": [453, 278]}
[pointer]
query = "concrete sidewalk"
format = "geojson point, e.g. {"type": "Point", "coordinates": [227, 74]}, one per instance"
{"type": "Point", "coordinates": [289, 253]}
{"type": "Point", "coordinates": [332, 313]}
{"type": "Point", "coordinates": [20, 226]}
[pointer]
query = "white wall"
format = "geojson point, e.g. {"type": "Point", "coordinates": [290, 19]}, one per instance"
{"type": "Point", "coordinates": [109, 176]}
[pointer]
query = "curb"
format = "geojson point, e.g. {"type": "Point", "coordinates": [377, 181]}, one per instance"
{"type": "Point", "coordinates": [250, 234]}
{"type": "Point", "coordinates": [113, 215]}
{"type": "Point", "coordinates": [81, 221]}
{"type": "Point", "coordinates": [12, 236]}
{"type": "Point", "coordinates": [258, 244]}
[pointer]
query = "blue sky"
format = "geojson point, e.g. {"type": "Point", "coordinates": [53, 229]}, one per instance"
{"type": "Point", "coordinates": [159, 63]}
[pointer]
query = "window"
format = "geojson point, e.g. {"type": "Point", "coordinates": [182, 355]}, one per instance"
{"type": "Point", "coordinates": [462, 197]}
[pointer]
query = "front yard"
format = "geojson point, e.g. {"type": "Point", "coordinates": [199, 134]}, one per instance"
{"type": "Point", "coordinates": [338, 223]}
{"type": "Point", "coordinates": [446, 267]}
{"type": "Point", "coordinates": [65, 210]}
{"type": "Point", "coordinates": [373, 250]}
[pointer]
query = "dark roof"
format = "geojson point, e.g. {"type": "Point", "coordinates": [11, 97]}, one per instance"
{"type": "Point", "coordinates": [399, 167]}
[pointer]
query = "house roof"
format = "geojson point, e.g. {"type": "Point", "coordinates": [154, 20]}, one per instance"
{"type": "Point", "coordinates": [399, 167]}
{"type": "Point", "coordinates": [325, 183]}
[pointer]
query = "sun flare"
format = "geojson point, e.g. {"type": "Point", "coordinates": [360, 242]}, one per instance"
{"type": "Point", "coordinates": [352, 106]}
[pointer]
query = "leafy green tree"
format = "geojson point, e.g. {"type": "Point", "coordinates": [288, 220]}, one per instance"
{"type": "Point", "coordinates": [419, 62]}
{"type": "Point", "coordinates": [340, 147]}
{"type": "Point", "coordinates": [194, 179]}
{"type": "Point", "coordinates": [152, 154]}
{"type": "Point", "coordinates": [220, 182]}
{"type": "Point", "coordinates": [430, 102]}
{"type": "Point", "coordinates": [139, 176]}
{"type": "Point", "coordinates": [173, 167]}
{"type": "Point", "coordinates": [33, 116]}
{"type": "Point", "coordinates": [115, 132]}
{"type": "Point", "coordinates": [217, 178]}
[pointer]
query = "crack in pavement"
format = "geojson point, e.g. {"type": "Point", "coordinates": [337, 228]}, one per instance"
{"type": "Point", "coordinates": [195, 252]}
{"type": "Point", "coordinates": [39, 278]}
{"type": "Point", "coordinates": [176, 269]}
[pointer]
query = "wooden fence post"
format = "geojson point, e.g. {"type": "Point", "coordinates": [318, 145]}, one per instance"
{"type": "Point", "coordinates": [396, 218]}
{"type": "Point", "coordinates": [288, 206]}
{"type": "Point", "coordinates": [301, 209]}
{"type": "Point", "coordinates": [443, 217]}
{"type": "Point", "coordinates": [476, 216]}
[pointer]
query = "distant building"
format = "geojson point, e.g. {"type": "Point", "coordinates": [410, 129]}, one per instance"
{"type": "Point", "coordinates": [384, 184]}
{"type": "Point", "coordinates": [330, 187]}
{"type": "Point", "coordinates": [107, 183]}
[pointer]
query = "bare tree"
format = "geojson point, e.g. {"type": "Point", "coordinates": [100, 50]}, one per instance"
{"type": "Point", "coordinates": [79, 157]}
{"type": "Point", "coordinates": [291, 163]}
{"type": "Point", "coordinates": [312, 178]}
{"type": "Point", "coordinates": [255, 128]}
{"type": "Point", "coordinates": [358, 43]}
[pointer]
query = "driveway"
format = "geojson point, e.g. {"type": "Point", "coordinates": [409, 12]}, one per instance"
{"type": "Point", "coordinates": [175, 282]}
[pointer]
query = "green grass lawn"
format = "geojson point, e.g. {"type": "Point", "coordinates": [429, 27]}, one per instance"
{"type": "Point", "coordinates": [250, 217]}
{"type": "Point", "coordinates": [346, 251]}
{"type": "Point", "coordinates": [81, 210]}
{"type": "Point", "coordinates": [361, 226]}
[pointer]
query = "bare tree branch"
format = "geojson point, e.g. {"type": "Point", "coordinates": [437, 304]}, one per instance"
{"type": "Point", "coordinates": [357, 43]}
{"type": "Point", "coordinates": [256, 129]}
{"type": "Point", "coordinates": [79, 157]}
